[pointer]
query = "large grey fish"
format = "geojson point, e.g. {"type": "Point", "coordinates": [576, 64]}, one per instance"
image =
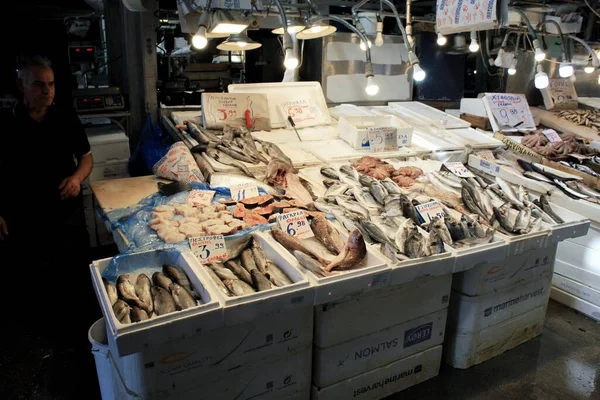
{"type": "Point", "coordinates": [378, 191]}
{"type": "Point", "coordinates": [376, 232]}
{"type": "Point", "coordinates": [183, 298]}
{"type": "Point", "coordinates": [390, 186]}
{"type": "Point", "coordinates": [201, 136]}
{"type": "Point", "coordinates": [349, 172]}
{"type": "Point", "coordinates": [365, 180]}
{"type": "Point", "coordinates": [260, 281]}
{"type": "Point", "coordinates": [111, 291]}
{"type": "Point", "coordinates": [435, 244]}
{"type": "Point", "coordinates": [222, 272]}
{"type": "Point", "coordinates": [178, 276]}
{"type": "Point", "coordinates": [439, 227]}
{"type": "Point", "coordinates": [236, 153]}
{"type": "Point", "coordinates": [448, 179]}
{"type": "Point", "coordinates": [416, 247]}
{"type": "Point", "coordinates": [408, 209]}
{"type": "Point", "coordinates": [311, 264]}
{"type": "Point", "coordinates": [291, 244]}
{"type": "Point", "coordinates": [238, 287]}
{"type": "Point", "coordinates": [392, 206]}
{"type": "Point", "coordinates": [455, 229]}
{"type": "Point", "coordinates": [247, 260]}
{"type": "Point", "coordinates": [352, 206]}
{"type": "Point", "coordinates": [224, 158]}
{"type": "Point", "coordinates": [238, 271]}
{"type": "Point", "coordinates": [276, 275]}
{"type": "Point", "coordinates": [392, 252]}
{"type": "Point", "coordinates": [366, 200]}
{"type": "Point", "coordinates": [329, 173]}
{"type": "Point", "coordinates": [471, 203]}
{"type": "Point", "coordinates": [404, 233]}
{"type": "Point", "coordinates": [474, 241]}
{"type": "Point", "coordinates": [260, 258]}
{"type": "Point", "coordinates": [247, 145]}
{"type": "Point", "coordinates": [500, 214]}
{"type": "Point", "coordinates": [522, 221]}
{"type": "Point", "coordinates": [138, 314]}
{"type": "Point", "coordinates": [142, 289]}
{"type": "Point", "coordinates": [545, 205]}
{"type": "Point", "coordinates": [126, 291]}
{"type": "Point", "coordinates": [327, 235]}
{"type": "Point", "coordinates": [163, 301]}
{"type": "Point", "coordinates": [350, 221]}
{"type": "Point", "coordinates": [274, 151]}
{"type": "Point", "coordinates": [510, 192]}
{"type": "Point", "coordinates": [122, 311]}
{"type": "Point", "coordinates": [353, 254]}
{"type": "Point", "coordinates": [161, 280]}
{"type": "Point", "coordinates": [236, 245]}
{"type": "Point", "coordinates": [475, 227]}
{"type": "Point", "coordinates": [217, 281]}
{"type": "Point", "coordinates": [337, 189]}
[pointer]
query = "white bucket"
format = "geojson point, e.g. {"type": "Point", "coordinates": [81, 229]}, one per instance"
{"type": "Point", "coordinates": [99, 340]}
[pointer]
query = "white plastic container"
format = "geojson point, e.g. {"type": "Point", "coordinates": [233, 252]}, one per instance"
{"type": "Point", "coordinates": [575, 225]}
{"type": "Point", "coordinates": [581, 257]}
{"type": "Point", "coordinates": [404, 272]}
{"type": "Point", "coordinates": [463, 350]}
{"type": "Point", "coordinates": [104, 362]}
{"type": "Point", "coordinates": [472, 314]}
{"type": "Point", "coordinates": [363, 354]}
{"type": "Point", "coordinates": [381, 309]}
{"type": "Point", "coordinates": [433, 116]}
{"type": "Point", "coordinates": [470, 257]}
{"type": "Point", "coordinates": [108, 143]}
{"type": "Point", "coordinates": [508, 272]}
{"type": "Point", "coordinates": [386, 380]}
{"type": "Point", "coordinates": [374, 275]}
{"type": "Point", "coordinates": [354, 130]}
{"type": "Point", "coordinates": [591, 278]}
{"type": "Point", "coordinates": [240, 309]}
{"type": "Point", "coordinates": [576, 303]}
{"type": "Point", "coordinates": [577, 289]}
{"type": "Point", "coordinates": [131, 338]}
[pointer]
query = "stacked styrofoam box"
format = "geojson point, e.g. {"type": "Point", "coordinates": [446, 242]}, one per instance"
{"type": "Point", "coordinates": [381, 342]}
{"type": "Point", "coordinates": [497, 306]}
{"type": "Point", "coordinates": [110, 150]}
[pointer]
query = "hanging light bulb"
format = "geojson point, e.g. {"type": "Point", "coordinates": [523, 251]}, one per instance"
{"type": "Point", "coordinates": [498, 60]}
{"type": "Point", "coordinates": [418, 73]}
{"type": "Point", "coordinates": [565, 70]}
{"type": "Point", "coordinates": [474, 46]}
{"type": "Point", "coordinates": [539, 53]}
{"type": "Point", "coordinates": [513, 66]}
{"type": "Point", "coordinates": [291, 61]}
{"type": "Point", "coordinates": [372, 89]}
{"type": "Point", "coordinates": [541, 78]}
{"type": "Point", "coordinates": [363, 47]}
{"type": "Point", "coordinates": [379, 37]}
{"type": "Point", "coordinates": [441, 40]}
{"type": "Point", "coordinates": [589, 68]}
{"type": "Point", "coordinates": [199, 40]}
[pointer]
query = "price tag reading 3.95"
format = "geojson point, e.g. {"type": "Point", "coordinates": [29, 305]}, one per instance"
{"type": "Point", "coordinates": [295, 224]}
{"type": "Point", "coordinates": [209, 249]}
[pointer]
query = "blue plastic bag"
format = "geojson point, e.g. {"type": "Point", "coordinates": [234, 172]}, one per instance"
{"type": "Point", "coordinates": [152, 146]}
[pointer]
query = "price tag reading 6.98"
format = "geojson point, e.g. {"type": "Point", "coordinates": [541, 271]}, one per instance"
{"type": "Point", "coordinates": [295, 224]}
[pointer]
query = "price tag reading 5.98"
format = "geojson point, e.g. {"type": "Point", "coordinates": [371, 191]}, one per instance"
{"type": "Point", "coordinates": [209, 249]}
{"type": "Point", "coordinates": [295, 224]}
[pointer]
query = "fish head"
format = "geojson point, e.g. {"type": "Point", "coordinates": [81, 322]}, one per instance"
{"type": "Point", "coordinates": [356, 240]}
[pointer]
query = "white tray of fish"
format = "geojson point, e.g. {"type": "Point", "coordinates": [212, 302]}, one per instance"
{"type": "Point", "coordinates": [372, 272]}
{"type": "Point", "coordinates": [338, 149]}
{"type": "Point", "coordinates": [175, 321]}
{"type": "Point", "coordinates": [434, 116]}
{"type": "Point", "coordinates": [248, 295]}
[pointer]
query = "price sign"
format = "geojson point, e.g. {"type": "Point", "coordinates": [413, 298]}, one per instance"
{"type": "Point", "coordinates": [243, 191]}
{"type": "Point", "coordinates": [431, 210]}
{"type": "Point", "coordinates": [403, 140]}
{"type": "Point", "coordinates": [509, 112]}
{"type": "Point", "coordinates": [489, 167]}
{"type": "Point", "coordinates": [560, 94]}
{"type": "Point", "coordinates": [295, 224]}
{"type": "Point", "coordinates": [224, 114]}
{"type": "Point", "coordinates": [459, 169]}
{"type": "Point", "coordinates": [552, 135]}
{"type": "Point", "coordinates": [382, 139]}
{"type": "Point", "coordinates": [486, 155]}
{"type": "Point", "coordinates": [200, 197]}
{"type": "Point", "coordinates": [209, 249]}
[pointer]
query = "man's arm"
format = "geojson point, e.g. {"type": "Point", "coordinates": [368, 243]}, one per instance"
{"type": "Point", "coordinates": [71, 186]}
{"type": "Point", "coordinates": [84, 167]}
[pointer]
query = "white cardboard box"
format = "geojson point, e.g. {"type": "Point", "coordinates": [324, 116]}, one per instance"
{"type": "Point", "coordinates": [339, 322]}
{"type": "Point", "coordinates": [108, 143]}
{"type": "Point", "coordinates": [576, 289]}
{"type": "Point", "coordinates": [463, 350]}
{"type": "Point", "coordinates": [366, 353]}
{"type": "Point", "coordinates": [353, 130]}
{"type": "Point", "coordinates": [386, 380]}
{"type": "Point", "coordinates": [575, 303]}
{"type": "Point", "coordinates": [471, 314]}
{"type": "Point", "coordinates": [591, 278]}
{"type": "Point", "coordinates": [510, 271]}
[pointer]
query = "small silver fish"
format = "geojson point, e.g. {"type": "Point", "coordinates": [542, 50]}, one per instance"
{"type": "Point", "coordinates": [311, 264]}
{"type": "Point", "coordinates": [217, 281]}
{"type": "Point", "coordinates": [163, 301]}
{"type": "Point", "coordinates": [238, 287]}
{"type": "Point", "coordinates": [238, 271]}
{"type": "Point", "coordinates": [183, 298]}
{"type": "Point", "coordinates": [260, 281]}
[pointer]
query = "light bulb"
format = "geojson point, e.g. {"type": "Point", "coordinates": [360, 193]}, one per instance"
{"type": "Point", "coordinates": [372, 89]}
{"type": "Point", "coordinates": [474, 46]}
{"type": "Point", "coordinates": [598, 79]}
{"type": "Point", "coordinates": [362, 45]}
{"type": "Point", "coordinates": [565, 70]}
{"type": "Point", "coordinates": [539, 54]}
{"type": "Point", "coordinates": [541, 80]}
{"type": "Point", "coordinates": [241, 44]}
{"type": "Point", "coordinates": [418, 73]}
{"type": "Point", "coordinates": [379, 37]}
{"type": "Point", "coordinates": [498, 60]}
{"type": "Point", "coordinates": [291, 61]}
{"type": "Point", "coordinates": [199, 40]}
{"type": "Point", "coordinates": [589, 68]}
{"type": "Point", "coordinates": [513, 67]}
{"type": "Point", "coordinates": [441, 40]}
{"type": "Point", "coordinates": [317, 28]}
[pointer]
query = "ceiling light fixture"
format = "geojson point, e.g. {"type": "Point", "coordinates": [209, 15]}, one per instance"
{"type": "Point", "coordinates": [237, 42]}
{"type": "Point", "coordinates": [541, 78]}
{"type": "Point", "coordinates": [474, 46]}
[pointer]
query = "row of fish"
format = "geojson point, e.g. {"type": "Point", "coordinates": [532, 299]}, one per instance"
{"type": "Point", "coordinates": [167, 292]}
{"type": "Point", "coordinates": [248, 273]}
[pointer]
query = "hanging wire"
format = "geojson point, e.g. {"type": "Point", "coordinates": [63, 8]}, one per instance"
{"type": "Point", "coordinates": [594, 11]}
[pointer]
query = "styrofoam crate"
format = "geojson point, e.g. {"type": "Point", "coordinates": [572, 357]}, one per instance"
{"type": "Point", "coordinates": [591, 240]}
{"type": "Point", "coordinates": [357, 356]}
{"type": "Point", "coordinates": [433, 116]}
{"type": "Point", "coordinates": [580, 256]}
{"type": "Point", "coordinates": [577, 289]}
{"type": "Point", "coordinates": [108, 143]}
{"type": "Point", "coordinates": [463, 350]}
{"type": "Point", "coordinates": [131, 338]}
{"type": "Point", "coordinates": [575, 303]}
{"type": "Point", "coordinates": [109, 170]}
{"type": "Point", "coordinates": [240, 309]}
{"type": "Point", "coordinates": [374, 275]}
{"type": "Point", "coordinates": [471, 314]}
{"type": "Point", "coordinates": [353, 130]}
{"type": "Point", "coordinates": [380, 309]}
{"type": "Point", "coordinates": [575, 225]}
{"type": "Point", "coordinates": [181, 363]}
{"type": "Point", "coordinates": [386, 380]}
{"type": "Point", "coordinates": [510, 271]}
{"type": "Point", "coordinates": [435, 265]}
{"type": "Point", "coordinates": [470, 257]}
{"type": "Point", "coordinates": [590, 278]}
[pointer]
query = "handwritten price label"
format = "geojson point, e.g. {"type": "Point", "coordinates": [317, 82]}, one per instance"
{"type": "Point", "coordinates": [489, 167]}
{"type": "Point", "coordinates": [509, 111]}
{"type": "Point", "coordinates": [209, 249]}
{"type": "Point", "coordinates": [552, 135]}
{"type": "Point", "coordinates": [243, 191]}
{"type": "Point", "coordinates": [382, 139]}
{"type": "Point", "coordinates": [429, 211]}
{"type": "Point", "coordinates": [225, 113]}
{"type": "Point", "coordinates": [299, 110]}
{"type": "Point", "coordinates": [507, 116]}
{"type": "Point", "coordinates": [486, 155]}
{"type": "Point", "coordinates": [295, 224]}
{"type": "Point", "coordinates": [200, 197]}
{"type": "Point", "coordinates": [458, 169]}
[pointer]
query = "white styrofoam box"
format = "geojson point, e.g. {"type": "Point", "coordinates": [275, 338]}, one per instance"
{"type": "Point", "coordinates": [108, 143]}
{"type": "Point", "coordinates": [386, 380]}
{"type": "Point", "coordinates": [589, 278]}
{"type": "Point", "coordinates": [434, 265]}
{"type": "Point", "coordinates": [380, 309]}
{"type": "Point", "coordinates": [576, 289]}
{"type": "Point", "coordinates": [473, 107]}
{"type": "Point", "coordinates": [286, 377]}
{"type": "Point", "coordinates": [240, 309]}
{"type": "Point", "coordinates": [510, 271]}
{"type": "Point", "coordinates": [470, 314]}
{"type": "Point", "coordinates": [336, 363]}
{"type": "Point", "coordinates": [575, 303]}
{"type": "Point", "coordinates": [565, 27]}
{"type": "Point", "coordinates": [348, 110]}
{"type": "Point", "coordinates": [109, 170]}
{"type": "Point", "coordinates": [435, 117]}
{"type": "Point", "coordinates": [520, 244]}
{"type": "Point", "coordinates": [353, 130]}
{"type": "Point", "coordinates": [475, 138]}
{"type": "Point", "coordinates": [337, 149]}
{"type": "Point", "coordinates": [374, 275]}
{"type": "Point", "coordinates": [591, 240]}
{"type": "Point", "coordinates": [463, 350]}
{"type": "Point", "coordinates": [582, 257]}
{"type": "Point", "coordinates": [181, 363]}
{"type": "Point", "coordinates": [278, 92]}
{"type": "Point", "coordinates": [131, 338]}
{"type": "Point", "coordinates": [585, 208]}
{"type": "Point", "coordinates": [575, 225]}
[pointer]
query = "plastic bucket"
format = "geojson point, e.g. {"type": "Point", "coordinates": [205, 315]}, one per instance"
{"type": "Point", "coordinates": [99, 340]}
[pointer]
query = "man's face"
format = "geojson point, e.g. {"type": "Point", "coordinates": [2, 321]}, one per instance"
{"type": "Point", "coordinates": [38, 87]}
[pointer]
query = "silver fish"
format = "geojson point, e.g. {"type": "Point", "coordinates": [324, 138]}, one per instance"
{"type": "Point", "coordinates": [260, 258]}
{"type": "Point", "coordinates": [365, 180]}
{"type": "Point", "coordinates": [329, 182]}
{"type": "Point", "coordinates": [583, 189]}
{"type": "Point", "coordinates": [222, 272]}
{"type": "Point", "coordinates": [415, 246]}
{"type": "Point", "coordinates": [177, 276]}
{"type": "Point", "coordinates": [238, 288]}
{"type": "Point", "coordinates": [361, 197]}
{"type": "Point", "coordinates": [224, 158]}
{"type": "Point", "coordinates": [163, 301]}
{"type": "Point", "coordinates": [474, 241]}
{"type": "Point", "coordinates": [337, 189]}
{"type": "Point", "coordinates": [435, 244]}
{"type": "Point", "coordinates": [111, 291]}
{"type": "Point", "coordinates": [126, 291]}
{"type": "Point", "coordinates": [392, 206]}
{"type": "Point", "coordinates": [238, 271]}
{"type": "Point", "coordinates": [500, 214]}
{"type": "Point", "coordinates": [448, 179]}
{"type": "Point", "coordinates": [439, 227]}
{"type": "Point", "coordinates": [183, 298]}
{"type": "Point", "coordinates": [509, 191]}
{"type": "Point", "coordinates": [409, 210]}
{"type": "Point", "coordinates": [537, 176]}
{"type": "Point", "coordinates": [310, 264]}
{"type": "Point", "coordinates": [405, 232]}
{"type": "Point", "coordinates": [274, 151]}
{"type": "Point", "coordinates": [329, 173]}
{"type": "Point", "coordinates": [439, 185]}
{"type": "Point", "coordinates": [545, 204]}
{"type": "Point", "coordinates": [137, 314]}
{"type": "Point", "coordinates": [236, 153]}
{"type": "Point", "coordinates": [390, 186]}
{"type": "Point", "coordinates": [122, 311]}
{"type": "Point", "coordinates": [471, 203]}
{"type": "Point", "coordinates": [236, 245]}
{"type": "Point", "coordinates": [350, 222]}
{"type": "Point", "coordinates": [375, 231]}
{"type": "Point", "coordinates": [522, 221]}
{"type": "Point", "coordinates": [142, 289]}
{"type": "Point", "coordinates": [276, 275]}
{"type": "Point", "coordinates": [378, 191]}
{"type": "Point", "coordinates": [201, 136]}
{"type": "Point", "coordinates": [217, 281]}
{"type": "Point", "coordinates": [161, 280]}
{"type": "Point", "coordinates": [350, 172]}
{"type": "Point", "coordinates": [260, 281]}
{"type": "Point", "coordinates": [352, 206]}
{"type": "Point", "coordinates": [247, 260]}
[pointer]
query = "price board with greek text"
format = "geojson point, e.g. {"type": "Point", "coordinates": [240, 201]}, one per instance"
{"type": "Point", "coordinates": [382, 139]}
{"type": "Point", "coordinates": [560, 95]}
{"type": "Point", "coordinates": [243, 191]}
{"type": "Point", "coordinates": [459, 169]}
{"type": "Point", "coordinates": [303, 112]}
{"type": "Point", "coordinates": [209, 249]}
{"type": "Point", "coordinates": [295, 224]}
{"type": "Point", "coordinates": [429, 211]}
{"type": "Point", "coordinates": [508, 112]}
{"type": "Point", "coordinates": [200, 197]}
{"type": "Point", "coordinates": [233, 109]}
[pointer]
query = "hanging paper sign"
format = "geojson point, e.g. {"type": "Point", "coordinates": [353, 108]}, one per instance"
{"type": "Point", "coordinates": [382, 139]}
{"type": "Point", "coordinates": [209, 249]}
{"type": "Point", "coordinates": [454, 16]}
{"type": "Point", "coordinates": [560, 95]}
{"type": "Point", "coordinates": [234, 109]}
